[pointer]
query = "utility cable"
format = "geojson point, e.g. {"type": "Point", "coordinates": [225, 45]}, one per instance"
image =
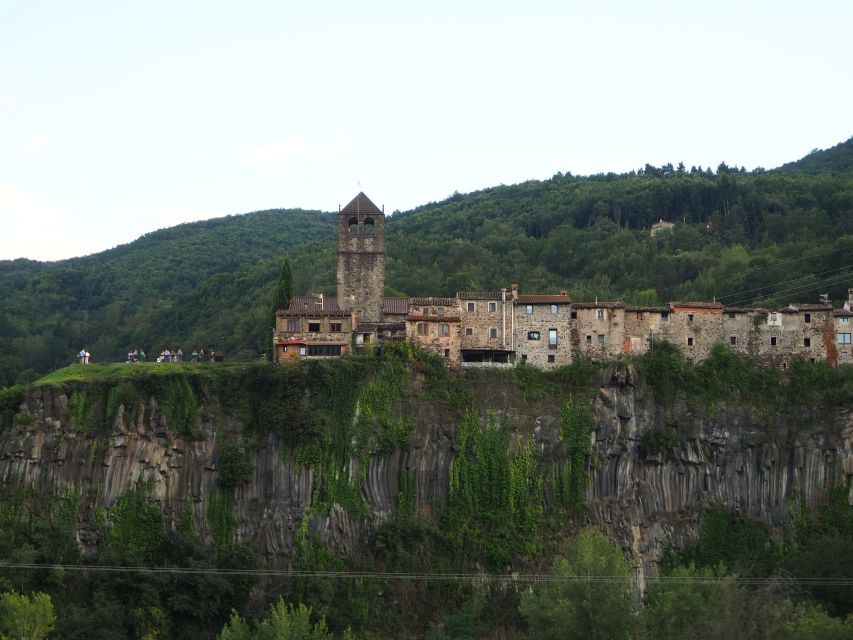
{"type": "Point", "coordinates": [423, 576]}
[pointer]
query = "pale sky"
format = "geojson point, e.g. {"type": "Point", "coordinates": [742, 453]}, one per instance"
{"type": "Point", "coordinates": [120, 118]}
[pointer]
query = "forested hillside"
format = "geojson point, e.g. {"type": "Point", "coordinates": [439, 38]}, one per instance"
{"type": "Point", "coordinates": [760, 237]}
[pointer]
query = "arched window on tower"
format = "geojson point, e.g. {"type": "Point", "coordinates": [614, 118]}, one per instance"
{"type": "Point", "coordinates": [368, 226]}
{"type": "Point", "coordinates": [353, 226]}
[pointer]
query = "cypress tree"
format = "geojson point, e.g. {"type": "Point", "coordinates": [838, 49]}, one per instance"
{"type": "Point", "coordinates": [283, 292]}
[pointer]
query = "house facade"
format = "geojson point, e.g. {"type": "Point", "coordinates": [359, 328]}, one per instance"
{"type": "Point", "coordinates": [507, 327]}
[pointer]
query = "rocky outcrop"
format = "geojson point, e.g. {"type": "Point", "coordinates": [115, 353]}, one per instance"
{"type": "Point", "coordinates": [745, 459]}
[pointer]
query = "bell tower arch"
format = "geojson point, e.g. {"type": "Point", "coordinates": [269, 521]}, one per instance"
{"type": "Point", "coordinates": [361, 258]}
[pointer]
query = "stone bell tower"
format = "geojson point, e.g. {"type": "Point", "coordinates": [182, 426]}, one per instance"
{"type": "Point", "coordinates": [361, 258]}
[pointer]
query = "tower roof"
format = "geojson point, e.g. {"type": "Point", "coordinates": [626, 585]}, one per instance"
{"type": "Point", "coordinates": [361, 204]}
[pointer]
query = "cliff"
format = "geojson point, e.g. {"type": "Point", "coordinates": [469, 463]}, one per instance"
{"type": "Point", "coordinates": [280, 463]}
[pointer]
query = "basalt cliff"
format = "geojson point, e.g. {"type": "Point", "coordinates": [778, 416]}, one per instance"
{"type": "Point", "coordinates": [645, 492]}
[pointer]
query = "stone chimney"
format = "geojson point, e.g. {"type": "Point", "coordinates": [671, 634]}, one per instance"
{"type": "Point", "coordinates": [564, 293]}
{"type": "Point", "coordinates": [514, 287]}
{"type": "Point", "coordinates": [320, 298]}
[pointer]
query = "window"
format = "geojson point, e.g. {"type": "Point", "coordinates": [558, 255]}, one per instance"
{"type": "Point", "coordinates": [335, 326]}
{"type": "Point", "coordinates": [493, 306]}
{"type": "Point", "coordinates": [301, 351]}
{"type": "Point", "coordinates": [426, 311]}
{"type": "Point", "coordinates": [844, 320]}
{"type": "Point", "coordinates": [664, 316]}
{"type": "Point", "coordinates": [589, 339]}
{"type": "Point", "coordinates": [324, 349]}
{"type": "Point", "coordinates": [529, 309]}
{"type": "Point", "coordinates": [368, 226]}
{"type": "Point", "coordinates": [774, 317]}
{"type": "Point", "coordinates": [689, 318]}
{"type": "Point", "coordinates": [784, 366]}
{"type": "Point", "coordinates": [807, 318]}
{"type": "Point", "coordinates": [772, 341]}
{"type": "Point", "coordinates": [469, 331]}
{"type": "Point", "coordinates": [532, 335]}
{"type": "Point", "coordinates": [812, 360]}
{"type": "Point", "coordinates": [731, 316]}
{"type": "Point", "coordinates": [447, 353]}
{"type": "Point", "coordinates": [314, 326]}
{"type": "Point", "coordinates": [423, 328]}
{"type": "Point", "coordinates": [843, 338]}
{"type": "Point", "coordinates": [353, 226]}
{"type": "Point", "coordinates": [733, 341]}
{"type": "Point", "coordinates": [601, 340]}
{"type": "Point", "coordinates": [551, 358]}
{"type": "Point", "coordinates": [844, 355]}
{"type": "Point", "coordinates": [689, 342]}
{"type": "Point", "coordinates": [493, 333]}
{"type": "Point", "coordinates": [552, 338]}
{"type": "Point", "coordinates": [439, 312]}
{"type": "Point", "coordinates": [807, 342]}
{"type": "Point", "coordinates": [554, 309]}
{"type": "Point", "coordinates": [574, 315]}
{"type": "Point", "coordinates": [524, 357]}
{"type": "Point", "coordinates": [444, 329]}
{"type": "Point", "coordinates": [284, 348]}
{"type": "Point", "coordinates": [600, 314]}
{"type": "Point", "coordinates": [293, 324]}
{"type": "Point", "coordinates": [470, 307]}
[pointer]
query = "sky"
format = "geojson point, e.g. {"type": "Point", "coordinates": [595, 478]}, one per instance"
{"type": "Point", "coordinates": [119, 118]}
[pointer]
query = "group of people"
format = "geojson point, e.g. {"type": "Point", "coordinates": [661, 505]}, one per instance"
{"type": "Point", "coordinates": [83, 357]}
{"type": "Point", "coordinates": [136, 355]}
{"type": "Point", "coordinates": [177, 355]}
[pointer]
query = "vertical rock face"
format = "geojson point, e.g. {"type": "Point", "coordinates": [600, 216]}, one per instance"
{"type": "Point", "coordinates": [730, 455]}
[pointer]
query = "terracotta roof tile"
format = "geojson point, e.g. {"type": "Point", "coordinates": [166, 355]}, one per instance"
{"type": "Point", "coordinates": [842, 313]}
{"type": "Point", "coordinates": [697, 305]}
{"type": "Point", "coordinates": [314, 312]}
{"type": "Point", "coordinates": [441, 302]}
{"type": "Point", "coordinates": [796, 306]}
{"type": "Point", "coordinates": [395, 305]}
{"type": "Point", "coordinates": [361, 204]}
{"type": "Point", "coordinates": [480, 295]}
{"type": "Point", "coordinates": [543, 299]}
{"type": "Point", "coordinates": [597, 305]}
{"type": "Point", "coordinates": [647, 309]}
{"type": "Point", "coordinates": [298, 303]}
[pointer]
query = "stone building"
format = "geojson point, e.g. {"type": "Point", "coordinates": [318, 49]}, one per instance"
{"type": "Point", "coordinates": [361, 259]}
{"type": "Point", "coordinates": [435, 325]}
{"type": "Point", "coordinates": [486, 324]}
{"type": "Point", "coordinates": [501, 328]}
{"type": "Point", "coordinates": [598, 330]}
{"type": "Point", "coordinates": [542, 328]}
{"type": "Point", "coordinates": [313, 326]}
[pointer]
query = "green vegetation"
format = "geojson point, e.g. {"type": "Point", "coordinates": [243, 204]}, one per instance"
{"type": "Point", "coordinates": [25, 617]}
{"type": "Point", "coordinates": [724, 375]}
{"type": "Point", "coordinates": [508, 510]}
{"type": "Point", "coordinates": [574, 607]}
{"type": "Point", "coordinates": [740, 236]}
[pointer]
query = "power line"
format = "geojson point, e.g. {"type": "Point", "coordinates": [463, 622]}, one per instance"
{"type": "Point", "coordinates": [774, 284]}
{"type": "Point", "coordinates": [423, 576]}
{"type": "Point", "coordinates": [827, 282]}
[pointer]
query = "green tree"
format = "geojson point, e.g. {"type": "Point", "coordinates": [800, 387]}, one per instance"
{"type": "Point", "coordinates": [283, 291]}
{"type": "Point", "coordinates": [285, 622]}
{"type": "Point", "coordinates": [686, 603]}
{"type": "Point", "coordinates": [25, 618]}
{"type": "Point", "coordinates": [591, 595]}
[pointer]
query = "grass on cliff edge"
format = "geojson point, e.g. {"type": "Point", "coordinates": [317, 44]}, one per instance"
{"type": "Point", "coordinates": [123, 371]}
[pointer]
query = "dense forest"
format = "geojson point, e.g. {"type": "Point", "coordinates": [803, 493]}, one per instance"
{"type": "Point", "coordinates": [742, 237]}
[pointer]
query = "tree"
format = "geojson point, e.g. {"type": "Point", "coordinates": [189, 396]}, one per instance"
{"type": "Point", "coordinates": [285, 622]}
{"type": "Point", "coordinates": [591, 595]}
{"type": "Point", "coordinates": [283, 291]}
{"type": "Point", "coordinates": [25, 618]}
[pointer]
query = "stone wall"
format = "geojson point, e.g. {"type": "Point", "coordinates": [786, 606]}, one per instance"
{"type": "Point", "coordinates": [538, 319]}
{"type": "Point", "coordinates": [486, 322]}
